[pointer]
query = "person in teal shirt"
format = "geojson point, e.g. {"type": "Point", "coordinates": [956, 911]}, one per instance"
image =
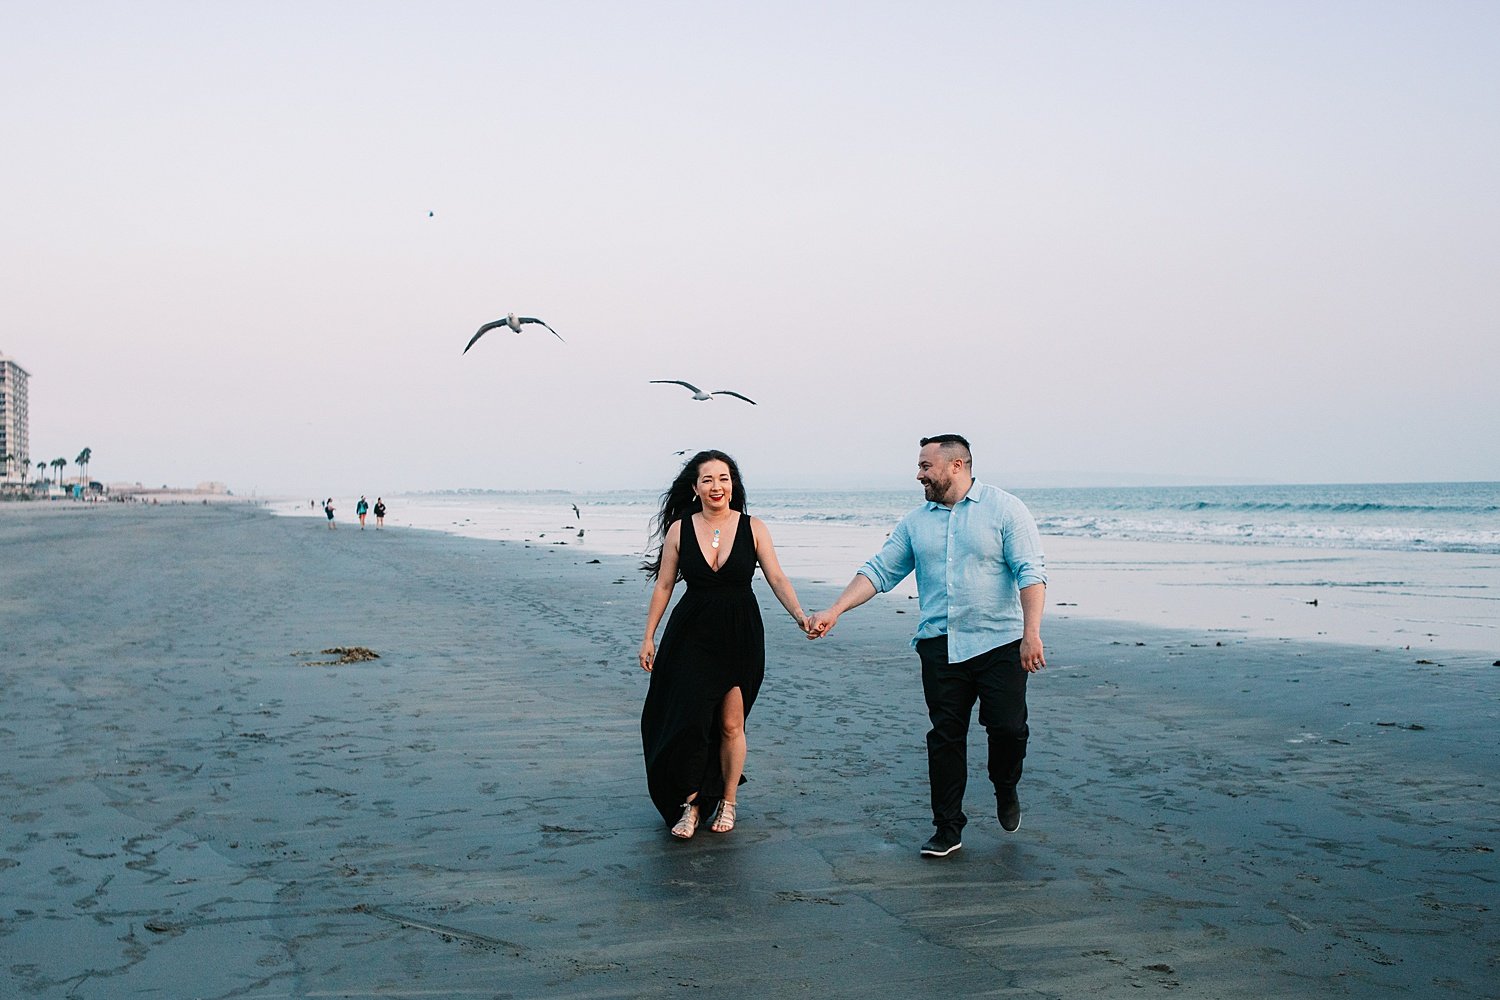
{"type": "Point", "coordinates": [981, 588]}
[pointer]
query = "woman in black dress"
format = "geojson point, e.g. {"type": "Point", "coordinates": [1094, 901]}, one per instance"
{"type": "Point", "coordinates": [706, 675]}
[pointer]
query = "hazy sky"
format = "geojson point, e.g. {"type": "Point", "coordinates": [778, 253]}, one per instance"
{"type": "Point", "coordinates": [1110, 242]}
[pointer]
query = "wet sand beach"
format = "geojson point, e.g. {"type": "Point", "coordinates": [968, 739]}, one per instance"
{"type": "Point", "coordinates": [195, 802]}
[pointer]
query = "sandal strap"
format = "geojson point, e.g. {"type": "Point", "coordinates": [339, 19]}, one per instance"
{"type": "Point", "coordinates": [688, 824]}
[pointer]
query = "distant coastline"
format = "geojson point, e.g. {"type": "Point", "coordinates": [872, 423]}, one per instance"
{"type": "Point", "coordinates": [81, 493]}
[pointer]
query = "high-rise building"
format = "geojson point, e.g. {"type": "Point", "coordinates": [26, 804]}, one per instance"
{"type": "Point", "coordinates": [15, 436]}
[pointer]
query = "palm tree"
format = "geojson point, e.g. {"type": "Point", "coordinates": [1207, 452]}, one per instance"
{"type": "Point", "coordinates": [59, 464]}
{"type": "Point", "coordinates": [4, 466]}
{"type": "Point", "coordinates": [82, 461]}
{"type": "Point", "coordinates": [41, 471]}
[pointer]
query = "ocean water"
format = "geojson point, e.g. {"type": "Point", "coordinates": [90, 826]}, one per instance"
{"type": "Point", "coordinates": [1409, 564]}
{"type": "Point", "coordinates": [1416, 517]}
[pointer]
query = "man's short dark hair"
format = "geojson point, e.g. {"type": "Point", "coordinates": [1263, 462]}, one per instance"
{"type": "Point", "coordinates": [953, 444]}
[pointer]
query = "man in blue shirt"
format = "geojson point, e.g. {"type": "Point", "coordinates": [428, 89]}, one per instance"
{"type": "Point", "coordinates": [981, 585]}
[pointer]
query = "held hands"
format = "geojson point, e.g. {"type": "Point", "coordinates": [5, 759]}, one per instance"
{"type": "Point", "coordinates": [817, 624]}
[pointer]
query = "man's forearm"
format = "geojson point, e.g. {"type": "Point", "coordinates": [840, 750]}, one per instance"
{"type": "Point", "coordinates": [1033, 600]}
{"type": "Point", "coordinates": [859, 591]}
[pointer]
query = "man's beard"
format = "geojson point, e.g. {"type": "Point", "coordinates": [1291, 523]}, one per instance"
{"type": "Point", "coordinates": [936, 490]}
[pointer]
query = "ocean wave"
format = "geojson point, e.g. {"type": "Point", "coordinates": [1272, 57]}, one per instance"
{"type": "Point", "coordinates": [813, 518]}
{"type": "Point", "coordinates": [1329, 507]}
{"type": "Point", "coordinates": [1409, 538]}
{"type": "Point", "coordinates": [1418, 517]}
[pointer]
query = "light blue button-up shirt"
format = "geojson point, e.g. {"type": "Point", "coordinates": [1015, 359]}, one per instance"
{"type": "Point", "coordinates": [971, 560]}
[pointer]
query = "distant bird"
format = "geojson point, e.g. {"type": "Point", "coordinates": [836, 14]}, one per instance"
{"type": "Point", "coordinates": [513, 322]}
{"type": "Point", "coordinates": [699, 393]}
{"type": "Point", "coordinates": [575, 511]}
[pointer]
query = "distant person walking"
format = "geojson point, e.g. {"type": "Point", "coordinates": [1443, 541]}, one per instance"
{"type": "Point", "coordinates": [362, 508]}
{"type": "Point", "coordinates": [328, 510]}
{"type": "Point", "coordinates": [982, 584]}
{"type": "Point", "coordinates": [379, 513]}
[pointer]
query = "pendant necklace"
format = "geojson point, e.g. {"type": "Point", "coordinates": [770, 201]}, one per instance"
{"type": "Point", "coordinates": [716, 538]}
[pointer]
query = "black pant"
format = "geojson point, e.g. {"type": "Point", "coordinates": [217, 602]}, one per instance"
{"type": "Point", "coordinates": [997, 680]}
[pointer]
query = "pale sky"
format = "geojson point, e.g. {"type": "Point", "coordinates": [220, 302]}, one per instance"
{"type": "Point", "coordinates": [1110, 242]}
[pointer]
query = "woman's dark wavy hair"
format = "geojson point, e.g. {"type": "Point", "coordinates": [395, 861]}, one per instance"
{"type": "Point", "coordinates": [679, 501]}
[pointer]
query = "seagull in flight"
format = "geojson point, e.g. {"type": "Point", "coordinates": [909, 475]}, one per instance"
{"type": "Point", "coordinates": [699, 393]}
{"type": "Point", "coordinates": [513, 322]}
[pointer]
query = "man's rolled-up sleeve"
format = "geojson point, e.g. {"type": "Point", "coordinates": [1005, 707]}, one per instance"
{"type": "Point", "coordinates": [1023, 551]}
{"type": "Point", "coordinates": [893, 563]}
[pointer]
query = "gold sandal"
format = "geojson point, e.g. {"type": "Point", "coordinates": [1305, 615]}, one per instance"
{"type": "Point", "coordinates": [688, 825]}
{"type": "Point", "coordinates": [723, 818]}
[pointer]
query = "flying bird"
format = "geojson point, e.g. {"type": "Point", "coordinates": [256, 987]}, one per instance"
{"type": "Point", "coordinates": [575, 511]}
{"type": "Point", "coordinates": [513, 322]}
{"type": "Point", "coordinates": [699, 393]}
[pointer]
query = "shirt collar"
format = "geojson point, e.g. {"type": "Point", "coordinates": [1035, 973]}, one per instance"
{"type": "Point", "coordinates": [970, 497]}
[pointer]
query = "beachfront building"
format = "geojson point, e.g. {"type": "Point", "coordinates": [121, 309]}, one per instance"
{"type": "Point", "coordinates": [15, 437]}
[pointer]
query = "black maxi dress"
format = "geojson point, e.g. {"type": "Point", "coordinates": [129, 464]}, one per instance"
{"type": "Point", "coordinates": [714, 641]}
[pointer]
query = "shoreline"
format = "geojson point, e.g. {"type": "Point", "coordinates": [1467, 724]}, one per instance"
{"type": "Point", "coordinates": [1438, 602]}
{"type": "Point", "coordinates": [467, 814]}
